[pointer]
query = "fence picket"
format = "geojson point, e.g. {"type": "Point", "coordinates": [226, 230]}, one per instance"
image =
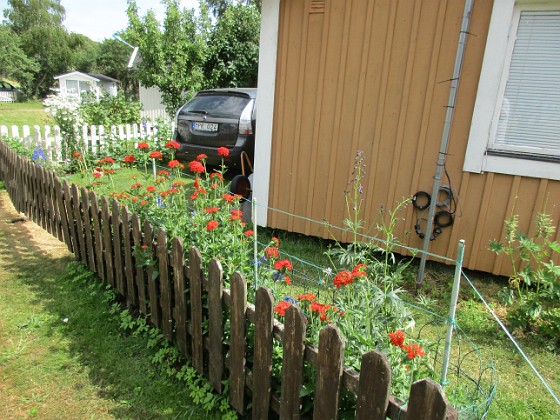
{"type": "Point", "coordinates": [292, 363]}
{"type": "Point", "coordinates": [166, 299]}
{"type": "Point", "coordinates": [180, 307]}
{"type": "Point", "coordinates": [88, 230]}
{"type": "Point", "coordinates": [68, 205]}
{"type": "Point", "coordinates": [97, 235]}
{"type": "Point", "coordinates": [195, 285]}
{"type": "Point", "coordinates": [329, 373]}
{"type": "Point", "coordinates": [117, 247]}
{"type": "Point", "coordinates": [428, 402]}
{"type": "Point", "coordinates": [215, 324]}
{"type": "Point", "coordinates": [153, 289]}
{"type": "Point", "coordinates": [61, 212]}
{"type": "Point", "coordinates": [262, 354]}
{"type": "Point", "coordinates": [79, 223]}
{"type": "Point", "coordinates": [131, 293]}
{"type": "Point", "coordinates": [237, 337]}
{"type": "Point", "coordinates": [140, 277]}
{"type": "Point", "coordinates": [374, 386]}
{"type": "Point", "coordinates": [107, 241]}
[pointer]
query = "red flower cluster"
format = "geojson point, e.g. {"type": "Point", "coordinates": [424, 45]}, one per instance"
{"type": "Point", "coordinates": [172, 144]}
{"type": "Point", "coordinates": [156, 155]}
{"type": "Point", "coordinates": [216, 175]}
{"type": "Point", "coordinates": [223, 151]}
{"type": "Point", "coordinates": [196, 167]}
{"type": "Point", "coordinates": [283, 264]}
{"type": "Point", "coordinates": [106, 160]}
{"type": "Point", "coordinates": [249, 232]}
{"type": "Point", "coordinates": [129, 159]}
{"type": "Point", "coordinates": [211, 210]}
{"type": "Point", "coordinates": [230, 197]}
{"type": "Point", "coordinates": [271, 252]}
{"type": "Point", "coordinates": [76, 155]}
{"type": "Point", "coordinates": [211, 225]}
{"type": "Point", "coordinates": [281, 307]}
{"type": "Point", "coordinates": [345, 277]}
{"type": "Point", "coordinates": [236, 214]}
{"type": "Point", "coordinates": [175, 164]}
{"type": "Point", "coordinates": [202, 156]}
{"type": "Point", "coordinates": [143, 145]}
{"type": "Point", "coordinates": [151, 189]}
{"type": "Point", "coordinates": [197, 192]}
{"type": "Point", "coordinates": [163, 172]}
{"type": "Point", "coordinates": [412, 350]}
{"type": "Point", "coordinates": [134, 186]}
{"type": "Point", "coordinates": [322, 309]}
{"type": "Point", "coordinates": [310, 297]}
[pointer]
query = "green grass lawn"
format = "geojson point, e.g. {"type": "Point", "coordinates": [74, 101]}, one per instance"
{"type": "Point", "coordinates": [29, 113]}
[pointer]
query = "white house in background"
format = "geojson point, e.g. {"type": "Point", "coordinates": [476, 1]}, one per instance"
{"type": "Point", "coordinates": [75, 83]}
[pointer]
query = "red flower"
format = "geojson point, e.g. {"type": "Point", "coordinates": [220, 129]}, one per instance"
{"type": "Point", "coordinates": [343, 278]}
{"type": "Point", "coordinates": [397, 338]}
{"type": "Point", "coordinates": [178, 184]}
{"type": "Point", "coordinates": [143, 202]}
{"type": "Point", "coordinates": [230, 197]}
{"type": "Point", "coordinates": [223, 151]}
{"type": "Point", "coordinates": [276, 241]}
{"type": "Point", "coordinates": [271, 252]}
{"type": "Point", "coordinates": [211, 225]}
{"type": "Point", "coordinates": [163, 172]}
{"type": "Point", "coordinates": [175, 164]}
{"type": "Point", "coordinates": [97, 175]}
{"type": "Point", "coordinates": [217, 175]}
{"type": "Point", "coordinates": [195, 166]}
{"type": "Point", "coordinates": [196, 183]}
{"type": "Point", "coordinates": [280, 265]}
{"type": "Point", "coordinates": [281, 307]}
{"type": "Point", "coordinates": [249, 232]}
{"type": "Point", "coordinates": [107, 160]}
{"type": "Point", "coordinates": [156, 155]}
{"type": "Point", "coordinates": [151, 188]}
{"type": "Point", "coordinates": [77, 155]}
{"type": "Point", "coordinates": [307, 296]}
{"type": "Point", "coordinates": [413, 350]}
{"type": "Point", "coordinates": [172, 144]}
{"type": "Point", "coordinates": [288, 280]}
{"type": "Point", "coordinates": [236, 214]}
{"type": "Point", "coordinates": [211, 210]}
{"type": "Point", "coordinates": [137, 185]}
{"type": "Point", "coordinates": [143, 145]}
{"type": "Point", "coordinates": [201, 157]}
{"type": "Point", "coordinates": [129, 159]}
{"type": "Point", "coordinates": [356, 271]}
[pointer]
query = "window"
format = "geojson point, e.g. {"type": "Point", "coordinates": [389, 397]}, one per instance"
{"type": "Point", "coordinates": [516, 121]}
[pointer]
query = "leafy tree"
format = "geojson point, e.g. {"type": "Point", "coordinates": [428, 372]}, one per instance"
{"type": "Point", "coordinates": [218, 7]}
{"type": "Point", "coordinates": [233, 48]}
{"type": "Point", "coordinates": [14, 63]}
{"type": "Point", "coordinates": [172, 54]}
{"type": "Point", "coordinates": [112, 60]}
{"type": "Point", "coordinates": [84, 53]}
{"type": "Point", "coordinates": [38, 23]}
{"type": "Point", "coordinates": [109, 110]}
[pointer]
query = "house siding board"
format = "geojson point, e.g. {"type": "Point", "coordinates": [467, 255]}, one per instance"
{"type": "Point", "coordinates": [374, 76]}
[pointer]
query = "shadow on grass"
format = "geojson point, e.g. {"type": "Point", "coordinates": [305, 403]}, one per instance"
{"type": "Point", "coordinates": [118, 365]}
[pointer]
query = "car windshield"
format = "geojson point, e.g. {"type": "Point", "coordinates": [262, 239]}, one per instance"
{"type": "Point", "coordinates": [230, 106]}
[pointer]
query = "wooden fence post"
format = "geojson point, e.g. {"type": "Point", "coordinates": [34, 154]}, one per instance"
{"type": "Point", "coordinates": [164, 285]}
{"type": "Point", "coordinates": [131, 293]}
{"type": "Point", "coordinates": [117, 247]}
{"type": "Point", "coordinates": [329, 373]}
{"type": "Point", "coordinates": [97, 235]}
{"type": "Point", "coordinates": [292, 363]}
{"type": "Point", "coordinates": [427, 401]}
{"type": "Point", "coordinates": [237, 347]}
{"type": "Point", "coordinates": [180, 307]}
{"type": "Point", "coordinates": [215, 324]}
{"type": "Point", "coordinates": [108, 240]}
{"type": "Point", "coordinates": [374, 387]}
{"type": "Point", "coordinates": [86, 212]}
{"type": "Point", "coordinates": [79, 224]}
{"type": "Point", "coordinates": [140, 274]}
{"type": "Point", "coordinates": [262, 354]}
{"type": "Point", "coordinates": [63, 216]}
{"type": "Point", "coordinates": [195, 284]}
{"type": "Point", "coordinates": [153, 282]}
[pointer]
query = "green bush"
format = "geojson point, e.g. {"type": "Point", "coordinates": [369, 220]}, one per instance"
{"type": "Point", "coordinates": [109, 110]}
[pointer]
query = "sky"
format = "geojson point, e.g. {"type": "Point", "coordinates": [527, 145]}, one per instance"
{"type": "Point", "coordinates": [100, 19]}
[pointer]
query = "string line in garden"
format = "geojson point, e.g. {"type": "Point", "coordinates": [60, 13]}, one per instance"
{"type": "Point", "coordinates": [512, 339]}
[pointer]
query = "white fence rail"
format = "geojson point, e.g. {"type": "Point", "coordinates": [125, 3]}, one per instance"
{"type": "Point", "coordinates": [91, 138]}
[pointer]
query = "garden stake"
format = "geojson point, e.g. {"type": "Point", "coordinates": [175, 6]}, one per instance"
{"type": "Point", "coordinates": [452, 308]}
{"type": "Point", "coordinates": [154, 168]}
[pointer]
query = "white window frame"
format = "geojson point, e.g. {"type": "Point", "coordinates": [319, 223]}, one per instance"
{"type": "Point", "coordinates": [493, 77]}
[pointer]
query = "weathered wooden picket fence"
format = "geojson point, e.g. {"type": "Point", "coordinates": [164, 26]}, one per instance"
{"type": "Point", "coordinates": [102, 235]}
{"type": "Point", "coordinates": [92, 138]}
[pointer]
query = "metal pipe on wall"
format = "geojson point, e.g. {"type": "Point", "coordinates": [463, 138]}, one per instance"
{"type": "Point", "coordinates": [445, 137]}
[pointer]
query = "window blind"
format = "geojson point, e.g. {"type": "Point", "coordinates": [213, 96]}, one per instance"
{"type": "Point", "coordinates": [529, 119]}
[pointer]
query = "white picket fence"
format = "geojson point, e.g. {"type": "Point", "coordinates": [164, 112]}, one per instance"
{"type": "Point", "coordinates": [91, 138]}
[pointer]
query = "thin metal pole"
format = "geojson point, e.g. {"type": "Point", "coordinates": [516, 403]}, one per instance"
{"type": "Point", "coordinates": [445, 137]}
{"type": "Point", "coordinates": [452, 310]}
{"type": "Point", "coordinates": [255, 248]}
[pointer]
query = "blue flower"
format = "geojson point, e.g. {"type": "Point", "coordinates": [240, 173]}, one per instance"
{"type": "Point", "coordinates": [291, 300]}
{"type": "Point", "coordinates": [38, 154]}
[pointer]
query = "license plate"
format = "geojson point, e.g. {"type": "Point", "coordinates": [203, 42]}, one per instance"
{"type": "Point", "coordinates": [204, 126]}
